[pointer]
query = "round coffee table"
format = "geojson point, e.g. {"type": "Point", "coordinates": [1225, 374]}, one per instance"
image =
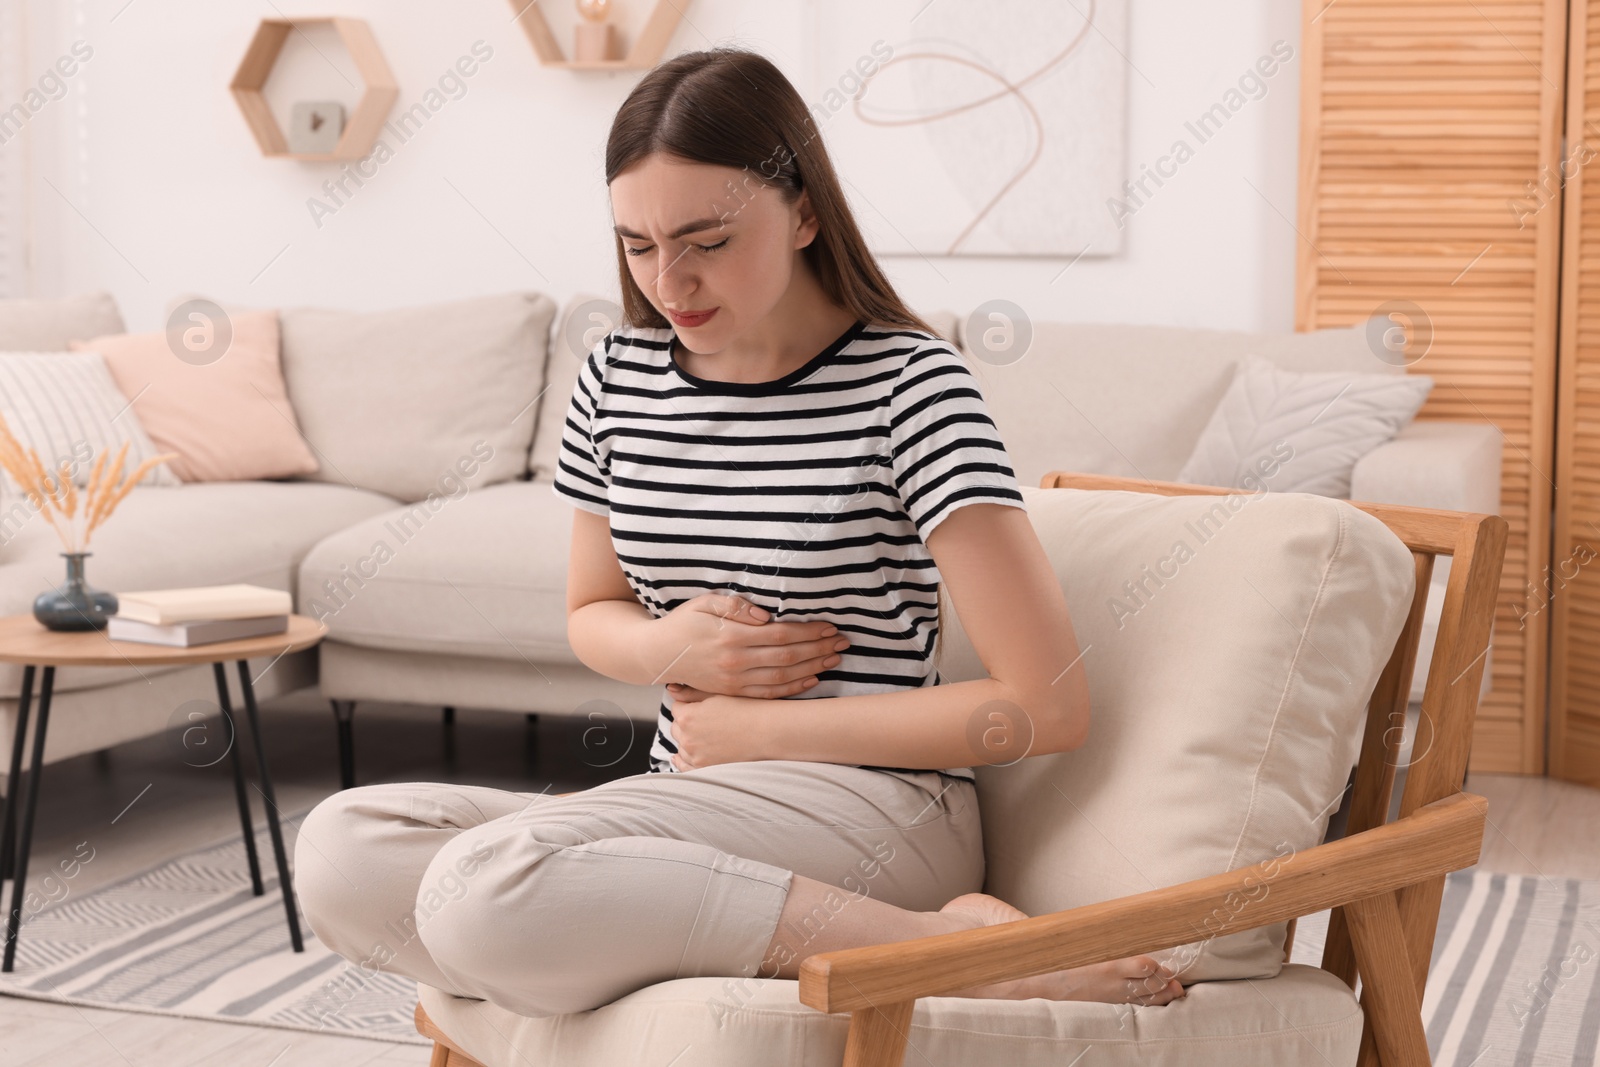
{"type": "Point", "coordinates": [24, 641]}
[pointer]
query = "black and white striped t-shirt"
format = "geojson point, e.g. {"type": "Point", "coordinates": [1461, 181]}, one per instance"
{"type": "Point", "coordinates": [811, 495]}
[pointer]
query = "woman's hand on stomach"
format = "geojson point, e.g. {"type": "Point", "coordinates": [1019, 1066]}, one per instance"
{"type": "Point", "coordinates": [723, 643]}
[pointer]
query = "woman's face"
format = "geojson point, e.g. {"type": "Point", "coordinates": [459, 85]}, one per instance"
{"type": "Point", "coordinates": [711, 247]}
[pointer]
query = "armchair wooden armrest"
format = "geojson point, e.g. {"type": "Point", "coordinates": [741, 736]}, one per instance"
{"type": "Point", "coordinates": [1360, 873]}
{"type": "Point", "coordinates": [1436, 839]}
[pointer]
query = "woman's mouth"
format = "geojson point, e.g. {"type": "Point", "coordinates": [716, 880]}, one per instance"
{"type": "Point", "coordinates": [691, 318]}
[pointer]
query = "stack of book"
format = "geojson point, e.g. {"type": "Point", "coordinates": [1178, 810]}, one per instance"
{"type": "Point", "coordinates": [199, 615]}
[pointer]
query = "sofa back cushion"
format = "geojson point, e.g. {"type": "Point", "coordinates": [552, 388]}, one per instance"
{"type": "Point", "coordinates": [1132, 400]}
{"type": "Point", "coordinates": [65, 408]}
{"type": "Point", "coordinates": [585, 318]}
{"type": "Point", "coordinates": [1300, 431]}
{"type": "Point", "coordinates": [29, 324]}
{"type": "Point", "coordinates": [227, 417]}
{"type": "Point", "coordinates": [1231, 645]}
{"type": "Point", "coordinates": [418, 400]}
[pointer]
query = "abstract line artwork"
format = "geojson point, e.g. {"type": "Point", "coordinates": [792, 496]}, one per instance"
{"type": "Point", "coordinates": [959, 128]}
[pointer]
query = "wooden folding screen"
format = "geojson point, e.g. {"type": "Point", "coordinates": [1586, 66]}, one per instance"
{"type": "Point", "coordinates": [1425, 124]}
{"type": "Point", "coordinates": [1572, 591]}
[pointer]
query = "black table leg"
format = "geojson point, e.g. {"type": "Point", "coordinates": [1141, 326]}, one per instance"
{"type": "Point", "coordinates": [449, 745]}
{"type": "Point", "coordinates": [238, 779]}
{"type": "Point", "coordinates": [35, 772]}
{"type": "Point", "coordinates": [344, 715]}
{"type": "Point", "coordinates": [8, 859]}
{"type": "Point", "coordinates": [272, 802]}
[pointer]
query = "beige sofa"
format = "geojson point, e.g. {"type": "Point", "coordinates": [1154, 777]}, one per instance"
{"type": "Point", "coordinates": [464, 605]}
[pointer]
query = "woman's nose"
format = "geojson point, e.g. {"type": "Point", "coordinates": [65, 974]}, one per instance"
{"type": "Point", "coordinates": [673, 276]}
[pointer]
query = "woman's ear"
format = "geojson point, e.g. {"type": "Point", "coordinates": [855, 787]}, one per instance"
{"type": "Point", "coordinates": [806, 231]}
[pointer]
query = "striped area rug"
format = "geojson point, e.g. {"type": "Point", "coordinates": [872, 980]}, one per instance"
{"type": "Point", "coordinates": [188, 938]}
{"type": "Point", "coordinates": [1513, 983]}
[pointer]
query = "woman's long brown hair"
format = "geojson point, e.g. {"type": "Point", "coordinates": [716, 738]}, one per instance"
{"type": "Point", "coordinates": [734, 108]}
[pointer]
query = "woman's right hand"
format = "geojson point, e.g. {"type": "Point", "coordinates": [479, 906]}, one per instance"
{"type": "Point", "coordinates": [723, 643]}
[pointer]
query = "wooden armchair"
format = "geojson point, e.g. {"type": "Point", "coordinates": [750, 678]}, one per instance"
{"type": "Point", "coordinates": [1383, 879]}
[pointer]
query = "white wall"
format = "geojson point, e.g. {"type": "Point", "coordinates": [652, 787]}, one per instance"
{"type": "Point", "coordinates": [148, 183]}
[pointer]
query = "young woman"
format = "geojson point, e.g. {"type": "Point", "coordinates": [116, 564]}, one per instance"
{"type": "Point", "coordinates": [774, 466]}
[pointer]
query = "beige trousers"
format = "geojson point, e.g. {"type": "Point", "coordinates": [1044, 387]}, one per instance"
{"type": "Point", "coordinates": [546, 905]}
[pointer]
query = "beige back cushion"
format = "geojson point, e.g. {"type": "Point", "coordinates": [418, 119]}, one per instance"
{"type": "Point", "coordinates": [585, 318]}
{"type": "Point", "coordinates": [1132, 400]}
{"type": "Point", "coordinates": [49, 325]}
{"type": "Point", "coordinates": [416, 400]}
{"type": "Point", "coordinates": [1227, 699]}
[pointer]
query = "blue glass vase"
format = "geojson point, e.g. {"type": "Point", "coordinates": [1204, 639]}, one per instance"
{"type": "Point", "coordinates": [76, 605]}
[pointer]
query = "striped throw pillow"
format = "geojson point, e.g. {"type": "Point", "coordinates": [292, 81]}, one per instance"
{"type": "Point", "coordinates": [67, 408]}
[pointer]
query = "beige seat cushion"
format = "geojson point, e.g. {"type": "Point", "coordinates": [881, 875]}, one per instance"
{"type": "Point", "coordinates": [1231, 644]}
{"type": "Point", "coordinates": [483, 574]}
{"type": "Point", "coordinates": [205, 533]}
{"type": "Point", "coordinates": [405, 402]}
{"type": "Point", "coordinates": [1303, 1016]}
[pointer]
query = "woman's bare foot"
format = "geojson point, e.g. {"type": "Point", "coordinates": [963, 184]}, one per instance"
{"type": "Point", "coordinates": [1131, 980]}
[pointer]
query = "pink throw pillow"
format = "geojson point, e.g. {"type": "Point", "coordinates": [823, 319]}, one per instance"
{"type": "Point", "coordinates": [229, 419]}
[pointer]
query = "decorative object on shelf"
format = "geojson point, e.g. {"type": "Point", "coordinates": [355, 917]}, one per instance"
{"type": "Point", "coordinates": [645, 52]}
{"type": "Point", "coordinates": [315, 126]}
{"type": "Point", "coordinates": [594, 38]}
{"type": "Point", "coordinates": [75, 606]}
{"type": "Point", "coordinates": [358, 135]}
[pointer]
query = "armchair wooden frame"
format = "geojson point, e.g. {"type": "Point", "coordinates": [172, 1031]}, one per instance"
{"type": "Point", "coordinates": [1383, 879]}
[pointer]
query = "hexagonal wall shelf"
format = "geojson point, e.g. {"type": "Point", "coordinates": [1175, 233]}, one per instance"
{"type": "Point", "coordinates": [645, 52]}
{"type": "Point", "coordinates": [377, 97]}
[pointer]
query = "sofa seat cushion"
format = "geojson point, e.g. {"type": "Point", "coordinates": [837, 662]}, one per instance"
{"type": "Point", "coordinates": [1305, 1015]}
{"type": "Point", "coordinates": [480, 573]}
{"type": "Point", "coordinates": [205, 533]}
{"type": "Point", "coordinates": [1230, 644]}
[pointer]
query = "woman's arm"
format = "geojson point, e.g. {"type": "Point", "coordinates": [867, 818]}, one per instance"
{"type": "Point", "coordinates": [1010, 603]}
{"type": "Point", "coordinates": [607, 627]}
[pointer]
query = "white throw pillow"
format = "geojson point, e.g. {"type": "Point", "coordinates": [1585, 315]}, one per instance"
{"type": "Point", "coordinates": [67, 408]}
{"type": "Point", "coordinates": [1300, 432]}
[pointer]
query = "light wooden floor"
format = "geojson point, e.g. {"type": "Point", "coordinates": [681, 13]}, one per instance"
{"type": "Point", "coordinates": [1536, 826]}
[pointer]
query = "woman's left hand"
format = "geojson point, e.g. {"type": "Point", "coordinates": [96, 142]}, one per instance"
{"type": "Point", "coordinates": [711, 728]}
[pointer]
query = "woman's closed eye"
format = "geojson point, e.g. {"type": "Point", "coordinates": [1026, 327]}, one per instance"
{"type": "Point", "coordinates": [704, 248]}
